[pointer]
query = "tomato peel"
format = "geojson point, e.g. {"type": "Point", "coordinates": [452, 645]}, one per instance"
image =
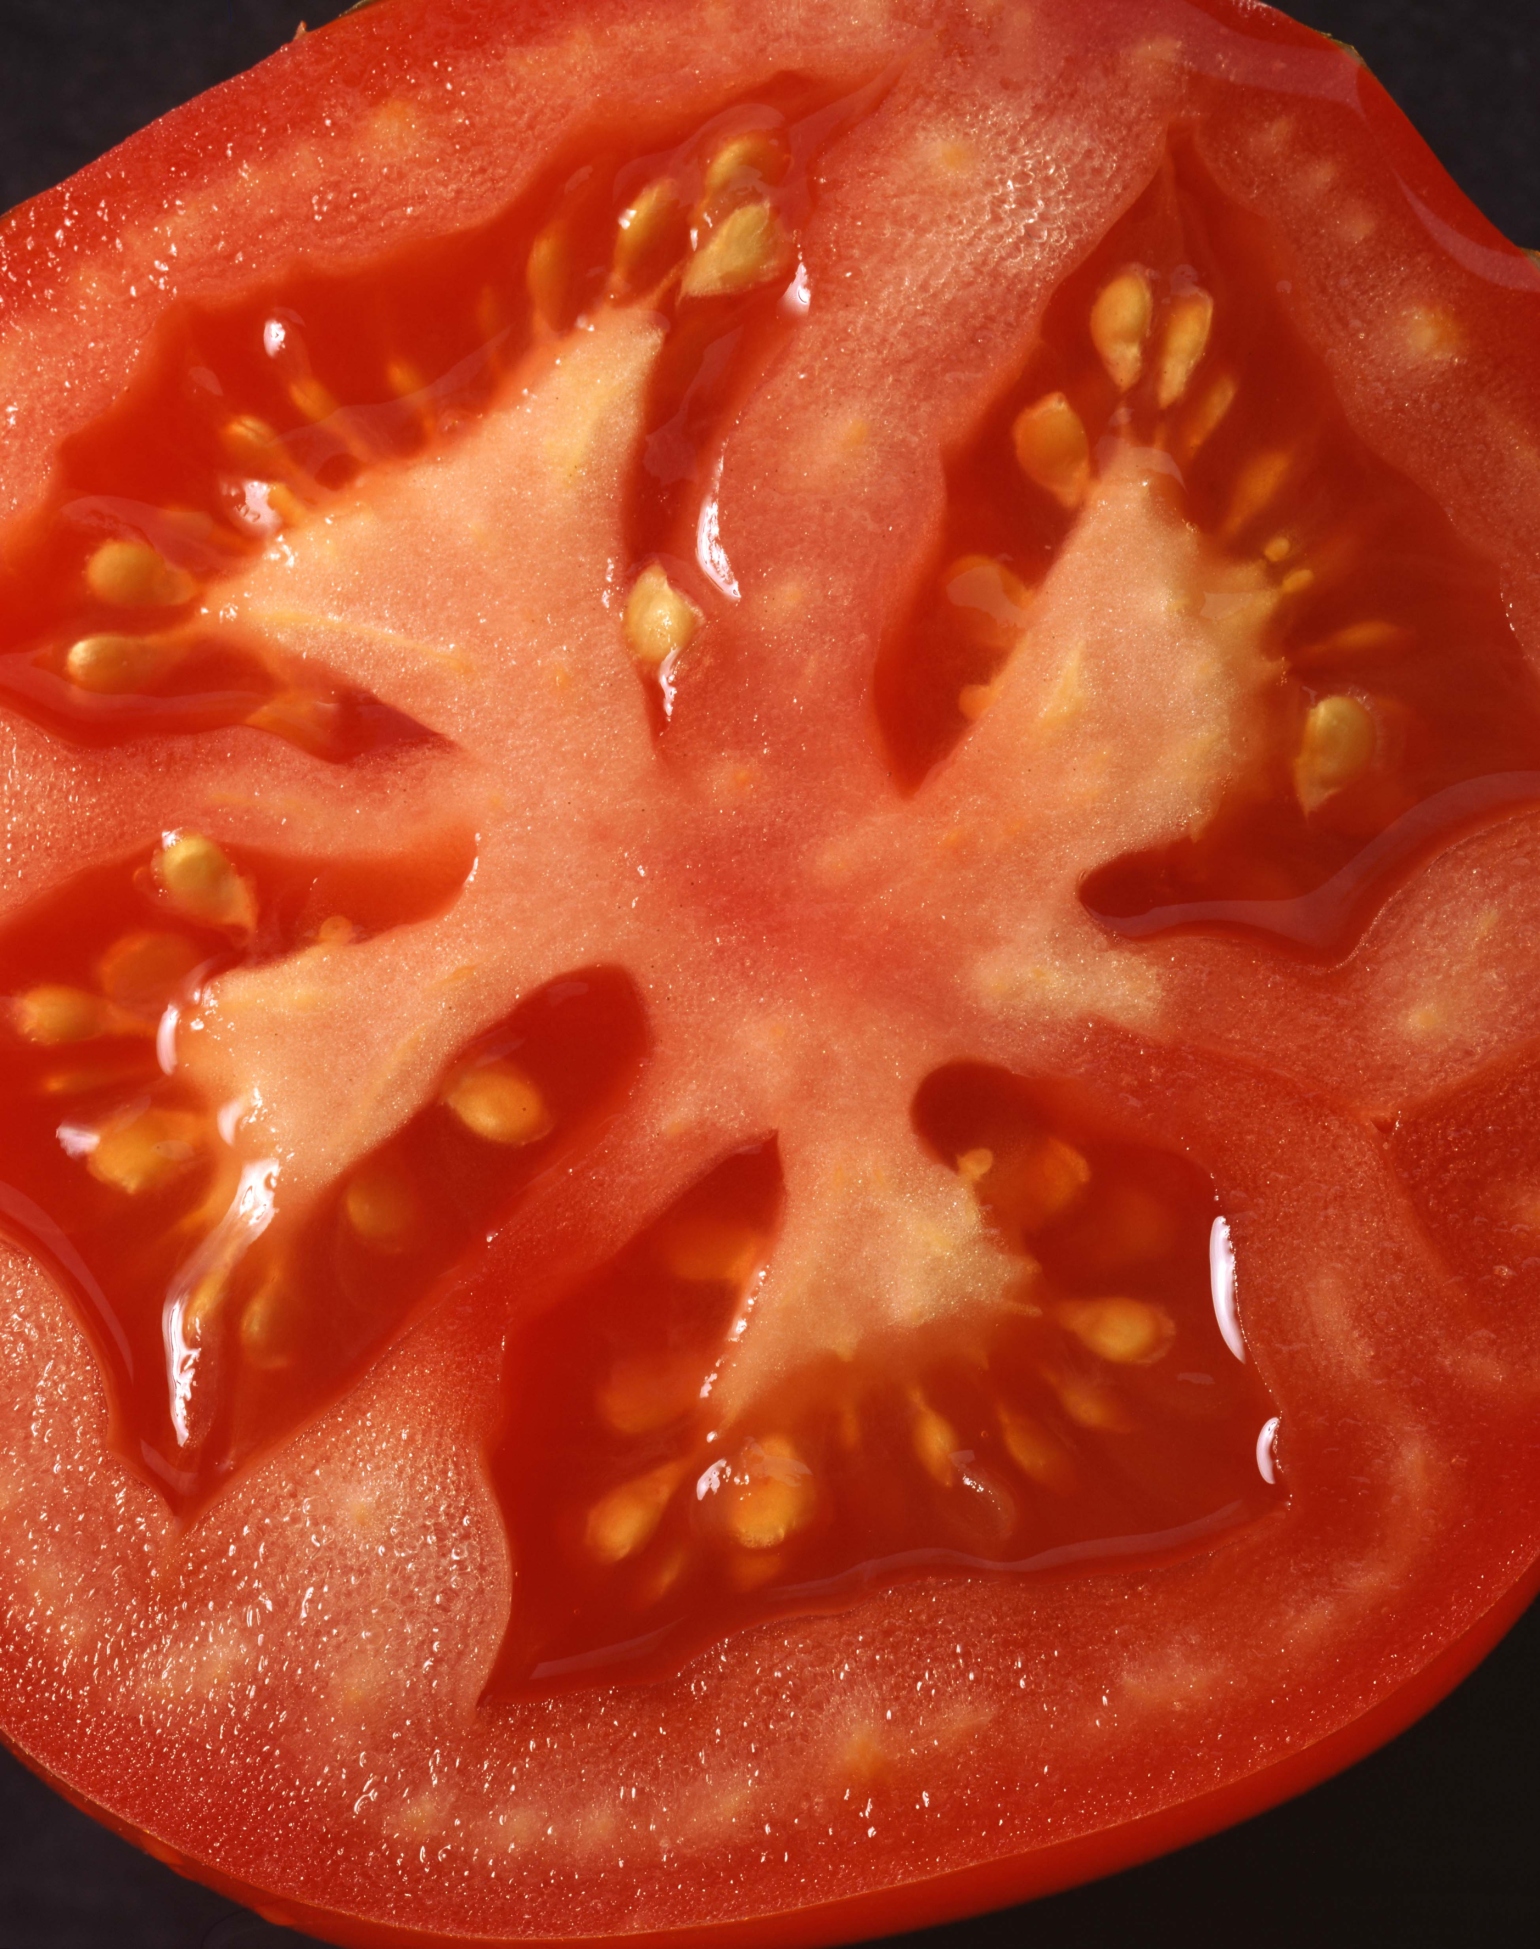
{"type": "Point", "coordinates": [1382, 1391]}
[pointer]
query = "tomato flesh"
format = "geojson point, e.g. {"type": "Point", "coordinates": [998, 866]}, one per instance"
{"type": "Point", "coordinates": [681, 903]}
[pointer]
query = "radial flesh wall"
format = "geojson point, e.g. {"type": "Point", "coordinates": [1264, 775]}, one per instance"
{"type": "Point", "coordinates": [770, 995]}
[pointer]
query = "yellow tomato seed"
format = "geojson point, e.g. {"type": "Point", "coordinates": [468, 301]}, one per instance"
{"type": "Point", "coordinates": [747, 248]}
{"type": "Point", "coordinates": [1120, 323]}
{"type": "Point", "coordinates": [53, 1013]}
{"type": "Point", "coordinates": [497, 1101]}
{"type": "Point", "coordinates": [132, 575]}
{"type": "Point", "coordinates": [1336, 748]}
{"type": "Point", "coordinates": [658, 620]}
{"type": "Point", "coordinates": [625, 1520]}
{"type": "Point", "coordinates": [202, 882]}
{"type": "Point", "coordinates": [146, 1149]}
{"type": "Point", "coordinates": [1051, 448]}
{"type": "Point", "coordinates": [1127, 1332]}
{"type": "Point", "coordinates": [110, 665]}
{"type": "Point", "coordinates": [772, 1494]}
{"type": "Point", "coordinates": [1183, 344]}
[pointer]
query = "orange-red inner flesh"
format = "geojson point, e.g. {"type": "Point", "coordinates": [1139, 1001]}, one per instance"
{"type": "Point", "coordinates": [1099, 1413]}
{"type": "Point", "coordinates": [1378, 600]}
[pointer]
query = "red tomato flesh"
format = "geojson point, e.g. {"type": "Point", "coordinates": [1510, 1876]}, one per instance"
{"type": "Point", "coordinates": [769, 963]}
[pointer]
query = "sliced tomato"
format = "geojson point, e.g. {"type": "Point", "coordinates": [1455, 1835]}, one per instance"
{"type": "Point", "coordinates": [769, 974]}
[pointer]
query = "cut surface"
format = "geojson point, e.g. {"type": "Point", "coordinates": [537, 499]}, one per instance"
{"type": "Point", "coordinates": [745, 1118]}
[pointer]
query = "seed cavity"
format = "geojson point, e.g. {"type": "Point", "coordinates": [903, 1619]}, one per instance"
{"type": "Point", "coordinates": [201, 881]}
{"type": "Point", "coordinates": [498, 1101]}
{"type": "Point", "coordinates": [1120, 323]}
{"type": "Point", "coordinates": [132, 575]}
{"type": "Point", "coordinates": [1051, 448]}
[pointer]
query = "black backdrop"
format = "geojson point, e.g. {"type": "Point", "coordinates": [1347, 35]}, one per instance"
{"type": "Point", "coordinates": [1435, 1840]}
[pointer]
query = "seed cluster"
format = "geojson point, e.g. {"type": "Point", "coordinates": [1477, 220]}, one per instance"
{"type": "Point", "coordinates": [1171, 350]}
{"type": "Point", "coordinates": [147, 1176]}
{"type": "Point", "coordinates": [1102, 1400]}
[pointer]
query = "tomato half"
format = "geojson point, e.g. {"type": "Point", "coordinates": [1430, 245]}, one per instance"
{"type": "Point", "coordinates": [768, 1030]}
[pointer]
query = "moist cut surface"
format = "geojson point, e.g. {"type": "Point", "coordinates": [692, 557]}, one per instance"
{"type": "Point", "coordinates": [768, 943]}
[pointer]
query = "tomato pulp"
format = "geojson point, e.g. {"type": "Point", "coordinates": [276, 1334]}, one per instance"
{"type": "Point", "coordinates": [748, 1081]}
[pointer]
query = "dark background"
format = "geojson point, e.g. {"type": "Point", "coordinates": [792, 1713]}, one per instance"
{"type": "Point", "coordinates": [1435, 1840]}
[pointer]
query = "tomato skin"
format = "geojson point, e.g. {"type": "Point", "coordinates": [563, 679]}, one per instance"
{"type": "Point", "coordinates": [970, 1893]}
{"type": "Point", "coordinates": [1047, 1868]}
